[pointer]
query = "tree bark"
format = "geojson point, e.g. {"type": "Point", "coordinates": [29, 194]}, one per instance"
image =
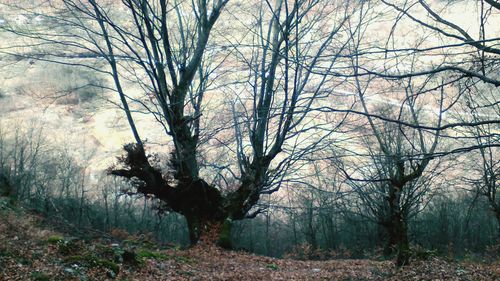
{"type": "Point", "coordinates": [403, 245]}
{"type": "Point", "coordinates": [224, 239]}
{"type": "Point", "coordinates": [209, 233]}
{"type": "Point", "coordinates": [207, 212]}
{"type": "Point", "coordinates": [398, 242]}
{"type": "Point", "coordinates": [194, 228]}
{"type": "Point", "coordinates": [390, 245]}
{"type": "Point", "coordinates": [498, 221]}
{"type": "Point", "coordinates": [397, 230]}
{"type": "Point", "coordinates": [5, 187]}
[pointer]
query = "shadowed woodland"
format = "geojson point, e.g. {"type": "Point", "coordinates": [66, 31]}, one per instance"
{"type": "Point", "coordinates": [303, 130]}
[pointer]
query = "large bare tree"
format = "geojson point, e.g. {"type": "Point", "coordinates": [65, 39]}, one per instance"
{"type": "Point", "coordinates": [162, 47]}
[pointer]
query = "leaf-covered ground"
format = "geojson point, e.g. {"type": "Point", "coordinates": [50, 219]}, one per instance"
{"type": "Point", "coordinates": [30, 251]}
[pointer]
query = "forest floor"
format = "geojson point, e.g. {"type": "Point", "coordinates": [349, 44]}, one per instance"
{"type": "Point", "coordinates": [31, 250]}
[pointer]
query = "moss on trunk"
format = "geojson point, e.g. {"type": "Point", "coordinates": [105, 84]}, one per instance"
{"type": "Point", "coordinates": [224, 240]}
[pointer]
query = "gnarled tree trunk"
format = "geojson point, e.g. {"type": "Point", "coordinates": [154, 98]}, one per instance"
{"type": "Point", "coordinates": [397, 229]}
{"type": "Point", "coordinates": [208, 214]}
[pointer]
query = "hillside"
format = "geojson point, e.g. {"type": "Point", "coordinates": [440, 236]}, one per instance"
{"type": "Point", "coordinates": [317, 139]}
{"type": "Point", "coordinates": [33, 250]}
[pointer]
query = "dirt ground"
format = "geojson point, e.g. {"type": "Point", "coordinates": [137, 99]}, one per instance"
{"type": "Point", "coordinates": [30, 250]}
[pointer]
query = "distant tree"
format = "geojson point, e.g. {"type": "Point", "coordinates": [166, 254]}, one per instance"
{"type": "Point", "coordinates": [392, 181]}
{"type": "Point", "coordinates": [484, 172]}
{"type": "Point", "coordinates": [429, 66]}
{"type": "Point", "coordinates": [5, 185]}
{"type": "Point", "coordinates": [388, 166]}
{"type": "Point", "coordinates": [471, 58]}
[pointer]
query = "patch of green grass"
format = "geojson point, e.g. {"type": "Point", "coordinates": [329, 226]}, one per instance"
{"type": "Point", "coordinates": [187, 273]}
{"type": "Point", "coordinates": [147, 254]}
{"type": "Point", "coordinates": [36, 255]}
{"type": "Point", "coordinates": [24, 261]}
{"type": "Point", "coordinates": [69, 247]}
{"type": "Point", "coordinates": [40, 276]}
{"type": "Point", "coordinates": [65, 247]}
{"type": "Point", "coordinates": [110, 265]}
{"type": "Point", "coordinates": [143, 254]}
{"type": "Point", "coordinates": [4, 204]}
{"type": "Point", "coordinates": [183, 259]}
{"type": "Point", "coordinates": [112, 253]}
{"type": "Point", "coordinates": [423, 254]}
{"type": "Point", "coordinates": [8, 204]}
{"type": "Point", "coordinates": [6, 254]}
{"type": "Point", "coordinates": [55, 239]}
{"type": "Point", "coordinates": [138, 243]}
{"type": "Point", "coordinates": [272, 266]}
{"type": "Point", "coordinates": [94, 261]}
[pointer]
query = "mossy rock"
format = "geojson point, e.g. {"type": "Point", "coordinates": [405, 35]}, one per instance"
{"type": "Point", "coordinates": [83, 260]}
{"type": "Point", "coordinates": [138, 257]}
{"type": "Point", "coordinates": [138, 242]}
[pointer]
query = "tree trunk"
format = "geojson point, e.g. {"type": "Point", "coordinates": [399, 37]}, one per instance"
{"type": "Point", "coordinates": [398, 242]}
{"type": "Point", "coordinates": [224, 239]}
{"type": "Point", "coordinates": [498, 221]}
{"type": "Point", "coordinates": [397, 229]}
{"type": "Point", "coordinates": [391, 242]}
{"type": "Point", "coordinates": [208, 213]}
{"type": "Point", "coordinates": [209, 233]}
{"type": "Point", "coordinates": [5, 187]}
{"type": "Point", "coordinates": [194, 228]}
{"type": "Point", "coordinates": [382, 238]}
{"type": "Point", "coordinates": [403, 245]}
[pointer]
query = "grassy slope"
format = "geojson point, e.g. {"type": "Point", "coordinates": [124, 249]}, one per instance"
{"type": "Point", "coordinates": [31, 251]}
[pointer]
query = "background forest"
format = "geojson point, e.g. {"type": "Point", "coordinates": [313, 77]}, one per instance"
{"type": "Point", "coordinates": [307, 129]}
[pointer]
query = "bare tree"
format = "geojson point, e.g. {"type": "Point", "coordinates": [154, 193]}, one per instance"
{"type": "Point", "coordinates": [467, 52]}
{"type": "Point", "coordinates": [427, 67]}
{"type": "Point", "coordinates": [393, 184]}
{"type": "Point", "coordinates": [162, 47]}
{"type": "Point", "coordinates": [484, 173]}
